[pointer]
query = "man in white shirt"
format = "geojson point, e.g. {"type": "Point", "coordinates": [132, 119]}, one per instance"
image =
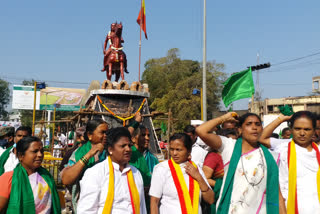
{"type": "Point", "coordinates": [62, 139]}
{"type": "Point", "coordinates": [12, 161]}
{"type": "Point", "coordinates": [199, 148]}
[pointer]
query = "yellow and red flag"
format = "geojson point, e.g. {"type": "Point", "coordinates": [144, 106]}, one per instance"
{"type": "Point", "coordinates": [141, 20]}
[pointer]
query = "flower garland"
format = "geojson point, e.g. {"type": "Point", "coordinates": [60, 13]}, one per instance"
{"type": "Point", "coordinates": [121, 118]}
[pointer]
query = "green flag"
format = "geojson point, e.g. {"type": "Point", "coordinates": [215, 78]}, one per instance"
{"type": "Point", "coordinates": [238, 86]}
{"type": "Point", "coordinates": [286, 110]}
{"type": "Point", "coordinates": [163, 128]}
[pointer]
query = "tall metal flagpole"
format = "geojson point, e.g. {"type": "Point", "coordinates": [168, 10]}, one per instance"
{"type": "Point", "coordinates": [140, 39]}
{"type": "Point", "coordinates": [34, 107]}
{"type": "Point", "coordinates": [204, 74]}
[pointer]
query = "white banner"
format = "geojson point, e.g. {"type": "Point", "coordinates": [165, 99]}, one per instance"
{"type": "Point", "coordinates": [23, 97]}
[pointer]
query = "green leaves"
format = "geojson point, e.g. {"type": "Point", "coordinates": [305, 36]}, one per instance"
{"type": "Point", "coordinates": [4, 99]}
{"type": "Point", "coordinates": [171, 81]}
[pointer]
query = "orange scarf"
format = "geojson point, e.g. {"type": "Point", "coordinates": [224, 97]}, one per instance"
{"type": "Point", "coordinates": [134, 194]}
{"type": "Point", "coordinates": [292, 206]}
{"type": "Point", "coordinates": [189, 199]}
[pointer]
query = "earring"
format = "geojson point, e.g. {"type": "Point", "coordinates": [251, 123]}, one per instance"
{"type": "Point", "coordinates": [110, 153]}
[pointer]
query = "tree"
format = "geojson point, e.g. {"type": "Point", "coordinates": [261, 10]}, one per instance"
{"type": "Point", "coordinates": [4, 99]}
{"type": "Point", "coordinates": [171, 81]}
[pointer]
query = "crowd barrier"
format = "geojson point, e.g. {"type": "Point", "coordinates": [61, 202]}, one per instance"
{"type": "Point", "coordinates": [52, 165]}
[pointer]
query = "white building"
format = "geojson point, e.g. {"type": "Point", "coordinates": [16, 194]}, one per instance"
{"type": "Point", "coordinates": [14, 116]}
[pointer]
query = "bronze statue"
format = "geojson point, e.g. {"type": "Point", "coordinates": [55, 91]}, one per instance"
{"type": "Point", "coordinates": [115, 61]}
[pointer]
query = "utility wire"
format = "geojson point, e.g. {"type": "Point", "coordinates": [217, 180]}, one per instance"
{"type": "Point", "coordinates": [290, 68]}
{"type": "Point", "coordinates": [51, 81]}
{"type": "Point", "coordinates": [296, 59]}
{"type": "Point", "coordinates": [287, 84]}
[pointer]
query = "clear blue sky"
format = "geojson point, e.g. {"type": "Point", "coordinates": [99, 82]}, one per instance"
{"type": "Point", "coordinates": [62, 40]}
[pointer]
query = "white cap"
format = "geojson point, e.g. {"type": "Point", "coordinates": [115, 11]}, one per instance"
{"type": "Point", "coordinates": [196, 122]}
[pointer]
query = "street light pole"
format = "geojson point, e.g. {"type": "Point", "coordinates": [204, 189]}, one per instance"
{"type": "Point", "coordinates": [48, 113]}
{"type": "Point", "coordinates": [45, 119]}
{"type": "Point", "coordinates": [53, 129]}
{"type": "Point", "coordinates": [34, 107]}
{"type": "Point", "coordinates": [204, 74]}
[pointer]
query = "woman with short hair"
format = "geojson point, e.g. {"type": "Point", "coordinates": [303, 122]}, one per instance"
{"type": "Point", "coordinates": [29, 188]}
{"type": "Point", "coordinates": [178, 185]}
{"type": "Point", "coordinates": [113, 186]}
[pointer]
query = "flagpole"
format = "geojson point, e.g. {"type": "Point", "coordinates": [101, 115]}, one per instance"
{"type": "Point", "coordinates": [204, 74]}
{"type": "Point", "coordinates": [140, 39]}
{"type": "Point", "coordinates": [258, 89]}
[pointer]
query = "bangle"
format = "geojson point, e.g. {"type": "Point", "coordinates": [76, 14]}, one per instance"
{"type": "Point", "coordinates": [206, 190]}
{"type": "Point", "coordinates": [134, 124]}
{"type": "Point", "coordinates": [84, 160]}
{"type": "Point", "coordinates": [81, 161]}
{"type": "Point", "coordinates": [279, 119]}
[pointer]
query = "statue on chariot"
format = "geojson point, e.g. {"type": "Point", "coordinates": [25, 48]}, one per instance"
{"type": "Point", "coordinates": [115, 60]}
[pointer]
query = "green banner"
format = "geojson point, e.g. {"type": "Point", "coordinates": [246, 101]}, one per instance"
{"type": "Point", "coordinates": [24, 88]}
{"type": "Point", "coordinates": [61, 108]}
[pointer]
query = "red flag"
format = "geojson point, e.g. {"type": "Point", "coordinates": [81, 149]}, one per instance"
{"type": "Point", "coordinates": [142, 19]}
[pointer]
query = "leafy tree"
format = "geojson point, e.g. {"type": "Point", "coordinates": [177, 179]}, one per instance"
{"type": "Point", "coordinates": [171, 81]}
{"type": "Point", "coordinates": [4, 99]}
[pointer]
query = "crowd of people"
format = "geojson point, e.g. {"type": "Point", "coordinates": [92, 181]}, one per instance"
{"type": "Point", "coordinates": [229, 164]}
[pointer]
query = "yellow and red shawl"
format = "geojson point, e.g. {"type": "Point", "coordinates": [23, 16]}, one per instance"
{"type": "Point", "coordinates": [189, 199]}
{"type": "Point", "coordinates": [292, 206]}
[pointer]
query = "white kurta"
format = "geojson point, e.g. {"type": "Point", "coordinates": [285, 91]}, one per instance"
{"type": "Point", "coordinates": [162, 186]}
{"type": "Point", "coordinates": [276, 144]}
{"type": "Point", "coordinates": [252, 167]}
{"type": "Point", "coordinates": [307, 167]}
{"type": "Point", "coordinates": [11, 162]}
{"type": "Point", "coordinates": [199, 152]}
{"type": "Point", "coordinates": [94, 190]}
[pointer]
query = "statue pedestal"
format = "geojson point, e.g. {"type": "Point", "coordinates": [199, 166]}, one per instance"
{"type": "Point", "coordinates": [119, 106]}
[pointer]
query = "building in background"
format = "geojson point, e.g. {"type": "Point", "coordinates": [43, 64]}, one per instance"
{"type": "Point", "coordinates": [316, 84]}
{"type": "Point", "coordinates": [271, 106]}
{"type": "Point", "coordinates": [300, 103]}
{"type": "Point", "coordinates": [14, 116]}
